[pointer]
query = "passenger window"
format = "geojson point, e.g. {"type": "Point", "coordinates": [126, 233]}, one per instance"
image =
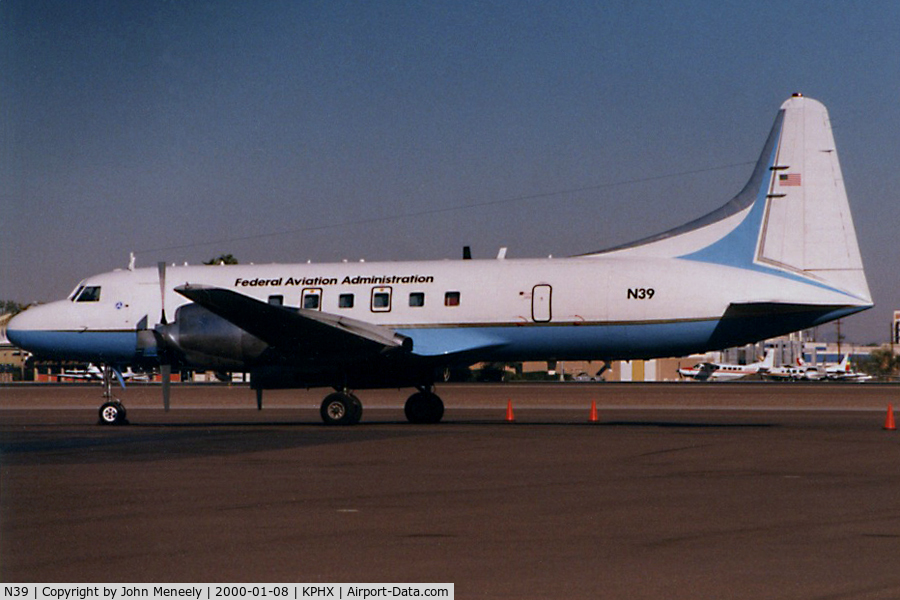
{"type": "Point", "coordinates": [276, 300]}
{"type": "Point", "coordinates": [381, 299]}
{"type": "Point", "coordinates": [345, 301]}
{"type": "Point", "coordinates": [312, 299]}
{"type": "Point", "coordinates": [451, 299]}
{"type": "Point", "coordinates": [89, 294]}
{"type": "Point", "coordinates": [417, 299]}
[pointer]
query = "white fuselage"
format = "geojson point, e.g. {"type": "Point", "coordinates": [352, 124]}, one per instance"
{"type": "Point", "coordinates": [584, 307]}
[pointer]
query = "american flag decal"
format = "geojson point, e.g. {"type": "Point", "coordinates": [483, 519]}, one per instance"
{"type": "Point", "coordinates": [789, 179]}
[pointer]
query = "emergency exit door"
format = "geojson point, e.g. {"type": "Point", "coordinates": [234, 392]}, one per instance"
{"type": "Point", "coordinates": [541, 311]}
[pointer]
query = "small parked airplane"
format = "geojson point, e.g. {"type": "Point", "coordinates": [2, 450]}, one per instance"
{"type": "Point", "coordinates": [844, 372]}
{"type": "Point", "coordinates": [780, 256]}
{"type": "Point", "coordinates": [801, 372]}
{"type": "Point", "coordinates": [95, 373]}
{"type": "Point", "coordinates": [91, 373]}
{"type": "Point", "coordinates": [833, 372]}
{"type": "Point", "coordinates": [728, 372]}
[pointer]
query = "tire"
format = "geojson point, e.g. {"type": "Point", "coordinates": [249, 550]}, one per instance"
{"type": "Point", "coordinates": [424, 408]}
{"type": "Point", "coordinates": [357, 409]}
{"type": "Point", "coordinates": [340, 409]}
{"type": "Point", "coordinates": [112, 413]}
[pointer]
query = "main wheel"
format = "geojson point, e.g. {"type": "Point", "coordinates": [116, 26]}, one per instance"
{"type": "Point", "coordinates": [341, 409]}
{"type": "Point", "coordinates": [112, 413]}
{"type": "Point", "coordinates": [424, 407]}
{"type": "Point", "coordinates": [357, 408]}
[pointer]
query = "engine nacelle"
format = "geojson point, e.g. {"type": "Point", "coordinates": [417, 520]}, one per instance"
{"type": "Point", "coordinates": [206, 340]}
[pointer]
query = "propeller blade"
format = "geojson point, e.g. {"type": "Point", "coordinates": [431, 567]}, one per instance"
{"type": "Point", "coordinates": [161, 267]}
{"type": "Point", "coordinates": [119, 377]}
{"type": "Point", "coordinates": [166, 371]}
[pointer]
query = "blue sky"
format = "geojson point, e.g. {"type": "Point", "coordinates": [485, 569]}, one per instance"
{"type": "Point", "coordinates": [294, 131]}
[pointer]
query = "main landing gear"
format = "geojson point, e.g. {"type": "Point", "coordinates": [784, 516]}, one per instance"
{"type": "Point", "coordinates": [343, 408]}
{"type": "Point", "coordinates": [112, 412]}
{"type": "Point", "coordinates": [424, 407]}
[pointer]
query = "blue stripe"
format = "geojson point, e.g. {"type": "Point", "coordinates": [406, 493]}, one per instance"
{"type": "Point", "coordinates": [100, 346]}
{"type": "Point", "coordinates": [613, 341]}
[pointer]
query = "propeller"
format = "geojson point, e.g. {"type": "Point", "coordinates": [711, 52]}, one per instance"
{"type": "Point", "coordinates": [161, 267]}
{"type": "Point", "coordinates": [118, 374]}
{"type": "Point", "coordinates": [165, 366]}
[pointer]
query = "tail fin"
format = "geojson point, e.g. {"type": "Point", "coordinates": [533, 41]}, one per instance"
{"type": "Point", "coordinates": [808, 195]}
{"type": "Point", "coordinates": [792, 217]}
{"type": "Point", "coordinates": [768, 360]}
{"type": "Point", "coordinates": [844, 365]}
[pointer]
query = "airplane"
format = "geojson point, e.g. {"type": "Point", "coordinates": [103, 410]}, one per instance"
{"type": "Point", "coordinates": [91, 373]}
{"type": "Point", "coordinates": [801, 372]}
{"type": "Point", "coordinates": [95, 373]}
{"type": "Point", "coordinates": [833, 372]}
{"type": "Point", "coordinates": [780, 256]}
{"type": "Point", "coordinates": [708, 371]}
{"type": "Point", "coordinates": [844, 372]}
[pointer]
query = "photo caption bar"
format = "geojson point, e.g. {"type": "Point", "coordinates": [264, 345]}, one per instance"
{"type": "Point", "coordinates": [224, 591]}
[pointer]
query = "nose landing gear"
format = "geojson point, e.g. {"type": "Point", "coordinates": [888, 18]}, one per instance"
{"type": "Point", "coordinates": [112, 412]}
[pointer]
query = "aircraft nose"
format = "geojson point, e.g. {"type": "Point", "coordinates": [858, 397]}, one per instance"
{"type": "Point", "coordinates": [18, 327]}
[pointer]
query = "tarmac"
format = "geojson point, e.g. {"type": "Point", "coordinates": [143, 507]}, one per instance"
{"type": "Point", "coordinates": [678, 491]}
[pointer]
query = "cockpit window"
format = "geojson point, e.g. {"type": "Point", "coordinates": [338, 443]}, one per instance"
{"type": "Point", "coordinates": [90, 293]}
{"type": "Point", "coordinates": [74, 294]}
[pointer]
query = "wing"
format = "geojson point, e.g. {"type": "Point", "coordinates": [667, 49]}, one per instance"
{"type": "Point", "coordinates": [706, 370]}
{"type": "Point", "coordinates": [297, 331]}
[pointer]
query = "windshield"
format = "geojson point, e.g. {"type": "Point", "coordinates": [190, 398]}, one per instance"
{"type": "Point", "coordinates": [90, 293]}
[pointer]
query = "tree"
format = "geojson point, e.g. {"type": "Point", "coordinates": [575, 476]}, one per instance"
{"type": "Point", "coordinates": [10, 307]}
{"type": "Point", "coordinates": [222, 259]}
{"type": "Point", "coordinates": [882, 363]}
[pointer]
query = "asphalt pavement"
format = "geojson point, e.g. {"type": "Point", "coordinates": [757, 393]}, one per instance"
{"type": "Point", "coordinates": [678, 491]}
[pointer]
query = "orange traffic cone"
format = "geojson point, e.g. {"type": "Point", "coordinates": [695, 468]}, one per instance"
{"type": "Point", "coordinates": [889, 420]}
{"type": "Point", "coordinates": [593, 418]}
{"type": "Point", "coordinates": [509, 411]}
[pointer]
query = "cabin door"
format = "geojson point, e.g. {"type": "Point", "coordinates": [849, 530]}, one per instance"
{"type": "Point", "coordinates": [540, 303]}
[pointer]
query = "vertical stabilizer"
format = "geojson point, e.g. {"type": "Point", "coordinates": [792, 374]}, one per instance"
{"type": "Point", "coordinates": [807, 226]}
{"type": "Point", "coordinates": [792, 217]}
{"type": "Point", "coordinates": [768, 360]}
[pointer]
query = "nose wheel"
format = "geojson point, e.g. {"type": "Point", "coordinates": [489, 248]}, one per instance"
{"type": "Point", "coordinates": [112, 412]}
